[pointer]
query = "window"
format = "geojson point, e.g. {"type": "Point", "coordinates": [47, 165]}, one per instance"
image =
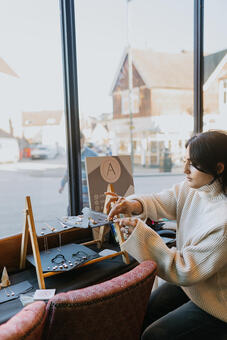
{"type": "Point", "coordinates": [158, 37]}
{"type": "Point", "coordinates": [215, 64]}
{"type": "Point", "coordinates": [32, 121]}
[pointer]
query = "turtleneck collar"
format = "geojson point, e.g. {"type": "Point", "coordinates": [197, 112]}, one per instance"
{"type": "Point", "coordinates": [211, 191]}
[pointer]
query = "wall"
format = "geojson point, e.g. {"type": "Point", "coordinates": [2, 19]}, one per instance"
{"type": "Point", "coordinates": [171, 101]}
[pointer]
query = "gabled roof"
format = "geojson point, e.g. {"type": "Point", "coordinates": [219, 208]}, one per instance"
{"type": "Point", "coordinates": [4, 68]}
{"type": "Point", "coordinates": [211, 61]}
{"type": "Point", "coordinates": [168, 70]}
{"type": "Point", "coordinates": [215, 67]}
{"type": "Point", "coordinates": [160, 69]}
{"type": "Point", "coordinates": [41, 118]}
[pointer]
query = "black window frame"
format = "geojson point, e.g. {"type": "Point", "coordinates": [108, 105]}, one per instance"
{"type": "Point", "coordinates": [68, 35]}
{"type": "Point", "coordinates": [198, 64]}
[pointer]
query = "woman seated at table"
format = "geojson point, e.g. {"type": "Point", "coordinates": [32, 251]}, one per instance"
{"type": "Point", "coordinates": [192, 304]}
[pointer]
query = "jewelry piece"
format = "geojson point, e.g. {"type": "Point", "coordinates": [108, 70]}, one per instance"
{"type": "Point", "coordinates": [81, 256]}
{"type": "Point", "coordinates": [92, 220]}
{"type": "Point", "coordinates": [42, 232]}
{"type": "Point", "coordinates": [59, 259]}
{"type": "Point", "coordinates": [125, 233]}
{"type": "Point", "coordinates": [7, 294]}
{"type": "Point", "coordinates": [12, 293]}
{"type": "Point", "coordinates": [50, 227]}
{"type": "Point", "coordinates": [79, 253]}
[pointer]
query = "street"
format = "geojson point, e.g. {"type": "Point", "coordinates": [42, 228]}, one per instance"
{"type": "Point", "coordinates": [40, 179]}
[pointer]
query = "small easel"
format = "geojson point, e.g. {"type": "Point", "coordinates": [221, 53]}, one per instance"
{"type": "Point", "coordinates": [29, 229]}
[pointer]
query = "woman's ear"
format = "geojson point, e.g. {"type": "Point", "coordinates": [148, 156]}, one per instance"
{"type": "Point", "coordinates": [220, 168]}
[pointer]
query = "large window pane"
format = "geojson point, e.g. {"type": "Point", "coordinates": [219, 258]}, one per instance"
{"type": "Point", "coordinates": [32, 124]}
{"type": "Point", "coordinates": [215, 65]}
{"type": "Point", "coordinates": [135, 66]}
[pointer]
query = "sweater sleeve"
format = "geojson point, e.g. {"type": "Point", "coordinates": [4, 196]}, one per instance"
{"type": "Point", "coordinates": [198, 260]}
{"type": "Point", "coordinates": [160, 205]}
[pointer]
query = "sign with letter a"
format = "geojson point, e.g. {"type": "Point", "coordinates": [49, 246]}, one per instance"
{"type": "Point", "coordinates": [101, 171]}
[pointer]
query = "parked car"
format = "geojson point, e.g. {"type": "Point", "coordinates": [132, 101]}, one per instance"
{"type": "Point", "coordinates": [43, 152]}
{"type": "Point", "coordinates": [9, 150]}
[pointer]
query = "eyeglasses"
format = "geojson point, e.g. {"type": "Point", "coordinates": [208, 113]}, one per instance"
{"type": "Point", "coordinates": [193, 167]}
{"type": "Point", "coordinates": [188, 163]}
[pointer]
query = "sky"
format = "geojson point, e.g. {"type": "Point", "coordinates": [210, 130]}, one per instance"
{"type": "Point", "coordinates": [30, 40]}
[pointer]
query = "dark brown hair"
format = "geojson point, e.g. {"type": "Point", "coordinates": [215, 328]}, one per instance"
{"type": "Point", "coordinates": [206, 150]}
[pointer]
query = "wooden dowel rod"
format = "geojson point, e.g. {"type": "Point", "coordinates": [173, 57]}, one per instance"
{"type": "Point", "coordinates": [102, 258]}
{"type": "Point", "coordinates": [90, 242]}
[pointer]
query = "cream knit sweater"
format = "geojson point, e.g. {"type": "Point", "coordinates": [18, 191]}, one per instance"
{"type": "Point", "coordinates": [199, 261]}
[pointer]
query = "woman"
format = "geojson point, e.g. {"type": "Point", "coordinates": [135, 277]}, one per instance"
{"type": "Point", "coordinates": [192, 304]}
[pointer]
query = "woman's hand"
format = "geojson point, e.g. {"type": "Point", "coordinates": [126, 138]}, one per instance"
{"type": "Point", "coordinates": [120, 205]}
{"type": "Point", "coordinates": [127, 225]}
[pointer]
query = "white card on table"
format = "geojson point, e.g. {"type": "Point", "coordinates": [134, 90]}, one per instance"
{"type": "Point", "coordinates": [44, 294]}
